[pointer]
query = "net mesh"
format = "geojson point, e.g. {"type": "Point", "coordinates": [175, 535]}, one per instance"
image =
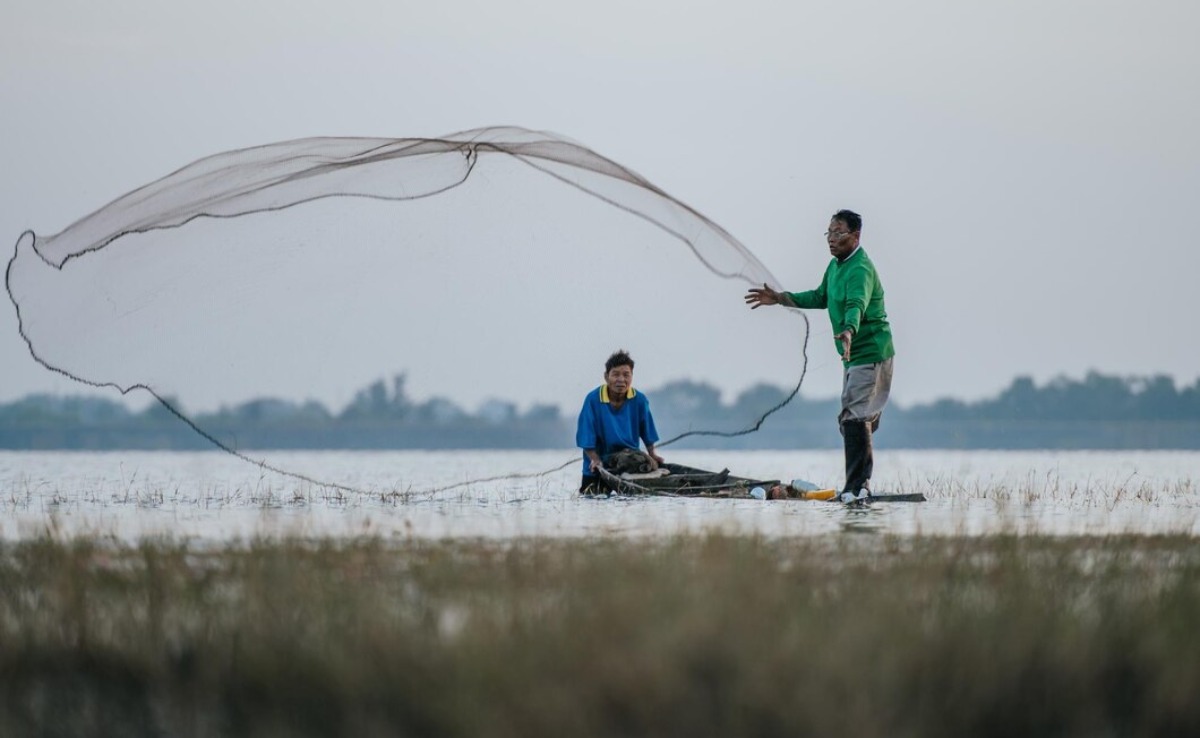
{"type": "Point", "coordinates": [492, 263]}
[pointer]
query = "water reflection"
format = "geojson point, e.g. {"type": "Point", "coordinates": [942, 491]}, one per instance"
{"type": "Point", "coordinates": [867, 519]}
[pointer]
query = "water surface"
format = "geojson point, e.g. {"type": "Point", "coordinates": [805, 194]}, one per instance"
{"type": "Point", "coordinates": [212, 496]}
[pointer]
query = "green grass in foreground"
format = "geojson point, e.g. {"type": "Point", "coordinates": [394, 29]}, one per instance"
{"type": "Point", "coordinates": [696, 636]}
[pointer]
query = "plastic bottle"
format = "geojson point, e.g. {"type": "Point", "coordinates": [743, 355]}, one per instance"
{"type": "Point", "coordinates": [801, 485]}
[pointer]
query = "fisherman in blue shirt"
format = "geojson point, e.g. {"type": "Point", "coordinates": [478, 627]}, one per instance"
{"type": "Point", "coordinates": [614, 416]}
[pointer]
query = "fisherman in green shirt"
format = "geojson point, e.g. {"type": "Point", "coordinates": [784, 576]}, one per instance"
{"type": "Point", "coordinates": [853, 294]}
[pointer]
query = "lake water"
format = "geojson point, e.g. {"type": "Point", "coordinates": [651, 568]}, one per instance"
{"type": "Point", "coordinates": [210, 496]}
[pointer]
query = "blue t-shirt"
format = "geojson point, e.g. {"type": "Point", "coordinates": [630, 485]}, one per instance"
{"type": "Point", "coordinates": [606, 430]}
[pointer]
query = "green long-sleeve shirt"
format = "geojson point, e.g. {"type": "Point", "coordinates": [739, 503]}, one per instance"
{"type": "Point", "coordinates": [852, 292]}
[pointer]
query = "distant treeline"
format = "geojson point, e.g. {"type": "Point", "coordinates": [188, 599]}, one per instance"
{"type": "Point", "coordinates": [1099, 411]}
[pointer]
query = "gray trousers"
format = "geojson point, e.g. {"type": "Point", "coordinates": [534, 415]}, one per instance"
{"type": "Point", "coordinates": [865, 392]}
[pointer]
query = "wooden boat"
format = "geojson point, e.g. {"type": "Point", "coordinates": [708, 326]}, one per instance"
{"type": "Point", "coordinates": [677, 480]}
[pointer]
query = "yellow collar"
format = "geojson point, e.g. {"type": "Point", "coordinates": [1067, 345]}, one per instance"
{"type": "Point", "coordinates": [604, 393]}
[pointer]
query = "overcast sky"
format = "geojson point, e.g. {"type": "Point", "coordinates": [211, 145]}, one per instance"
{"type": "Point", "coordinates": [1027, 171]}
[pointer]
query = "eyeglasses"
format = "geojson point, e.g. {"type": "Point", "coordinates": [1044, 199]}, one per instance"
{"type": "Point", "coordinates": [835, 234]}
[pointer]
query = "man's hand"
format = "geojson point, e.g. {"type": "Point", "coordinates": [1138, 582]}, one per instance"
{"type": "Point", "coordinates": [845, 337]}
{"type": "Point", "coordinates": [597, 464]}
{"type": "Point", "coordinates": [756, 297]}
{"type": "Point", "coordinates": [655, 460]}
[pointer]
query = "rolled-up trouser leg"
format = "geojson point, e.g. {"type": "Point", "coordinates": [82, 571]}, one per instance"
{"type": "Point", "coordinates": [860, 460]}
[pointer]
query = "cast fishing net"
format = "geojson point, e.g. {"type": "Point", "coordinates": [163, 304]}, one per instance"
{"type": "Point", "coordinates": [493, 263]}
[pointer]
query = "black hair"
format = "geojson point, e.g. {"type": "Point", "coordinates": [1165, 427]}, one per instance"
{"type": "Point", "coordinates": [620, 358]}
{"type": "Point", "coordinates": [852, 219]}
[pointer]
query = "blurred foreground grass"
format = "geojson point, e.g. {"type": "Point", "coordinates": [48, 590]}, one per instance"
{"type": "Point", "coordinates": [696, 636]}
